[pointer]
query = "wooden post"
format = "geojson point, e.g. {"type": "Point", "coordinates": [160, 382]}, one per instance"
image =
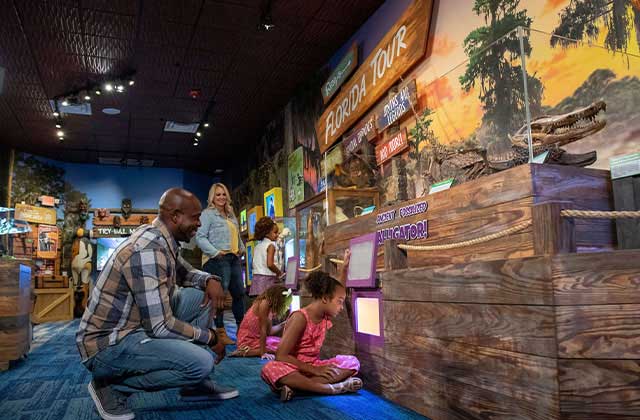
{"type": "Point", "coordinates": [626, 197]}
{"type": "Point", "coordinates": [552, 233]}
{"type": "Point", "coordinates": [328, 266]}
{"type": "Point", "coordinates": [394, 257]}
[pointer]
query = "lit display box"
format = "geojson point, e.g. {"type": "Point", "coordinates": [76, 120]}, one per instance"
{"type": "Point", "coordinates": [249, 262]}
{"type": "Point", "coordinates": [368, 317]}
{"type": "Point", "coordinates": [362, 268]}
{"type": "Point", "coordinates": [273, 203]}
{"type": "Point", "coordinates": [291, 279]}
{"type": "Point", "coordinates": [243, 221]}
{"type": "Point", "coordinates": [295, 303]}
{"type": "Point", "coordinates": [253, 215]}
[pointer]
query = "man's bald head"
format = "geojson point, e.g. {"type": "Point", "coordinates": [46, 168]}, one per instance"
{"type": "Point", "coordinates": [180, 211]}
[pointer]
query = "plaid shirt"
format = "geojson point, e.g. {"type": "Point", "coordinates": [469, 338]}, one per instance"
{"type": "Point", "coordinates": [133, 290]}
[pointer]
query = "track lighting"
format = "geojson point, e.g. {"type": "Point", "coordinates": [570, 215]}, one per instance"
{"type": "Point", "coordinates": [195, 142]}
{"type": "Point", "coordinates": [98, 92]}
{"type": "Point", "coordinates": [60, 133]}
{"type": "Point", "coordinates": [120, 88]}
{"type": "Point", "coordinates": [87, 97]}
{"type": "Point", "coordinates": [108, 87]}
{"type": "Point", "coordinates": [56, 113]}
{"type": "Point", "coordinates": [59, 124]}
{"type": "Point", "coordinates": [198, 134]}
{"type": "Point", "coordinates": [206, 125]}
{"type": "Point", "coordinates": [131, 82]}
{"type": "Point", "coordinates": [65, 102]}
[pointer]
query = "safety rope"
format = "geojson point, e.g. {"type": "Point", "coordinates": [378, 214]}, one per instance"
{"type": "Point", "coordinates": [592, 214]}
{"type": "Point", "coordinates": [487, 238]}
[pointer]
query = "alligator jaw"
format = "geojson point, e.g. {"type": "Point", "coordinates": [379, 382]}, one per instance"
{"type": "Point", "coordinates": [570, 135]}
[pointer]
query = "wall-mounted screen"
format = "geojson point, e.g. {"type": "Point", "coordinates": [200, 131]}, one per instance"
{"type": "Point", "coordinates": [362, 268]}
{"type": "Point", "coordinates": [291, 279]}
{"type": "Point", "coordinates": [368, 317]}
{"type": "Point", "coordinates": [105, 247]}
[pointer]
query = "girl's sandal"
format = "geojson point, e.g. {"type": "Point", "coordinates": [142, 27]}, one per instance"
{"type": "Point", "coordinates": [286, 393]}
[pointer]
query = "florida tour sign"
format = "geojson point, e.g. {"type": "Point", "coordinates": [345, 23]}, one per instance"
{"type": "Point", "coordinates": [402, 47]}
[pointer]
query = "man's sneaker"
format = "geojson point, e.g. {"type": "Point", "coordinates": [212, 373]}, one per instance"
{"type": "Point", "coordinates": [207, 391]}
{"type": "Point", "coordinates": [111, 404]}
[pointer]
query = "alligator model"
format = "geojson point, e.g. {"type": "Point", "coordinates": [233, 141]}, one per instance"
{"type": "Point", "coordinates": [548, 133]}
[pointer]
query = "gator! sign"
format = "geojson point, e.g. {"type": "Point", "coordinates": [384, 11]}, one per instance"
{"type": "Point", "coordinates": [400, 49]}
{"type": "Point", "coordinates": [342, 71]}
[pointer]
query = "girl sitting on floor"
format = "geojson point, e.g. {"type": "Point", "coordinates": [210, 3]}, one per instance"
{"type": "Point", "coordinates": [297, 366]}
{"type": "Point", "coordinates": [256, 332]}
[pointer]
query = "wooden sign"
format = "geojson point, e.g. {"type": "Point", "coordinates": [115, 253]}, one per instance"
{"type": "Point", "coordinates": [400, 49]}
{"type": "Point", "coordinates": [392, 147]}
{"type": "Point", "coordinates": [340, 74]}
{"type": "Point", "coordinates": [366, 130]}
{"type": "Point", "coordinates": [398, 105]}
{"type": "Point", "coordinates": [47, 200]}
{"type": "Point", "coordinates": [47, 242]}
{"type": "Point", "coordinates": [109, 231]}
{"type": "Point", "coordinates": [33, 214]}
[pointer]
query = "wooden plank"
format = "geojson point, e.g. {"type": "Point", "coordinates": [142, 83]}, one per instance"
{"type": "Point", "coordinates": [517, 328]}
{"type": "Point", "coordinates": [553, 234]}
{"type": "Point", "coordinates": [599, 278]}
{"type": "Point", "coordinates": [600, 387]}
{"type": "Point", "coordinates": [402, 47]}
{"type": "Point", "coordinates": [516, 375]}
{"type": "Point", "coordinates": [626, 192]}
{"type": "Point", "coordinates": [599, 331]}
{"type": "Point", "coordinates": [585, 187]}
{"type": "Point", "coordinates": [518, 281]}
{"type": "Point", "coordinates": [444, 397]}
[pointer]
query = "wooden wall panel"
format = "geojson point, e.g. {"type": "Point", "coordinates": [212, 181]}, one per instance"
{"type": "Point", "coordinates": [600, 278]}
{"type": "Point", "coordinates": [599, 331]}
{"type": "Point", "coordinates": [517, 328]}
{"type": "Point", "coordinates": [600, 387]}
{"type": "Point", "coordinates": [518, 281]}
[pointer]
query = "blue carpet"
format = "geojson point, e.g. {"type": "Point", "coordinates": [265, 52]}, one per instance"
{"type": "Point", "coordinates": [52, 384]}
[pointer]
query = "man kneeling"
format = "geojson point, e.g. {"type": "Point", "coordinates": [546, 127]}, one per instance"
{"type": "Point", "coordinates": [147, 322]}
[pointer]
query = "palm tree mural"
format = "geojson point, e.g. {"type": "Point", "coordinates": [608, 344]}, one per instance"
{"type": "Point", "coordinates": [581, 20]}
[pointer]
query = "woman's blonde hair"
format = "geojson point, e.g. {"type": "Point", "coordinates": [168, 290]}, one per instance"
{"type": "Point", "coordinates": [212, 193]}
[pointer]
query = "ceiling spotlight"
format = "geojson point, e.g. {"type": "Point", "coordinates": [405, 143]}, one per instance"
{"type": "Point", "coordinates": [195, 142]}
{"type": "Point", "coordinates": [131, 82]}
{"type": "Point", "coordinates": [206, 125]}
{"type": "Point", "coordinates": [65, 102]}
{"type": "Point", "coordinates": [120, 88]}
{"type": "Point", "coordinates": [56, 113]}
{"type": "Point", "coordinates": [87, 97]}
{"type": "Point", "coordinates": [98, 92]}
{"type": "Point", "coordinates": [60, 139]}
{"type": "Point", "coordinates": [58, 124]}
{"type": "Point", "coordinates": [108, 87]}
{"type": "Point", "coordinates": [198, 134]}
{"type": "Point", "coordinates": [60, 133]}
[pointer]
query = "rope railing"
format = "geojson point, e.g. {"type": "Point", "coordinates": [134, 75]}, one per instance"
{"type": "Point", "coordinates": [593, 214]}
{"type": "Point", "coordinates": [475, 241]}
{"type": "Point", "coordinates": [310, 270]}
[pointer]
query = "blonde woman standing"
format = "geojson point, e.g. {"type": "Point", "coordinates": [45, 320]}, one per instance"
{"type": "Point", "coordinates": [221, 245]}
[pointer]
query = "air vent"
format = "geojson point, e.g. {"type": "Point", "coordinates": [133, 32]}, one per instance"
{"type": "Point", "coordinates": [125, 162]}
{"type": "Point", "coordinates": [177, 127]}
{"type": "Point", "coordinates": [75, 109]}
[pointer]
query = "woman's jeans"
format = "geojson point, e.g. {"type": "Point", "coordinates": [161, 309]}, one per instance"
{"type": "Point", "coordinates": [142, 363]}
{"type": "Point", "coordinates": [228, 268]}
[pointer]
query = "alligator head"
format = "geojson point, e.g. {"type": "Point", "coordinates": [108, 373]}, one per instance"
{"type": "Point", "coordinates": [565, 128]}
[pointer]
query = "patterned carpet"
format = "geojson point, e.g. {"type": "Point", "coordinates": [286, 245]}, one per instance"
{"type": "Point", "coordinates": [52, 384]}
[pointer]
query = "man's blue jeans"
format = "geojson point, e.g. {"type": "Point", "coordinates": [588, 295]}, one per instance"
{"type": "Point", "coordinates": [142, 363]}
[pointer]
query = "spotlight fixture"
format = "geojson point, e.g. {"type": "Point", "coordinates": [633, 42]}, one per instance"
{"type": "Point", "coordinates": [206, 125]}
{"type": "Point", "coordinates": [266, 20]}
{"type": "Point", "coordinates": [108, 87]}
{"type": "Point", "coordinates": [98, 92]}
{"type": "Point", "coordinates": [65, 102]}
{"type": "Point", "coordinates": [60, 139]}
{"type": "Point", "coordinates": [60, 133]}
{"type": "Point", "coordinates": [87, 97]}
{"type": "Point", "coordinates": [120, 88]}
{"type": "Point", "coordinates": [131, 82]}
{"type": "Point", "coordinates": [198, 134]}
{"type": "Point", "coordinates": [56, 113]}
{"type": "Point", "coordinates": [195, 142]}
{"type": "Point", "coordinates": [59, 124]}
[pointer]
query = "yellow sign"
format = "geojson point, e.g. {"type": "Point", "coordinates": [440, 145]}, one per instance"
{"type": "Point", "coordinates": [33, 214]}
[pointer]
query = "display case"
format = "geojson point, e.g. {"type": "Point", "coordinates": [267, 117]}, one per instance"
{"type": "Point", "coordinates": [312, 217]}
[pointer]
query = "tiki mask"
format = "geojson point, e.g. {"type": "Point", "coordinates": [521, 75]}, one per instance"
{"type": "Point", "coordinates": [116, 221]}
{"type": "Point", "coordinates": [144, 219]}
{"type": "Point", "coordinates": [126, 208]}
{"type": "Point", "coordinates": [101, 214]}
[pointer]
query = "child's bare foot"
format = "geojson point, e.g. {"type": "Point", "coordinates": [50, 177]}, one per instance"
{"type": "Point", "coordinates": [286, 393]}
{"type": "Point", "coordinates": [348, 385]}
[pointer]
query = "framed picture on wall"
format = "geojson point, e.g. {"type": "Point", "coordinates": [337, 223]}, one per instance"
{"type": "Point", "coordinates": [368, 317]}
{"type": "Point", "coordinates": [273, 203]}
{"type": "Point", "coordinates": [243, 220]}
{"type": "Point", "coordinates": [253, 215]}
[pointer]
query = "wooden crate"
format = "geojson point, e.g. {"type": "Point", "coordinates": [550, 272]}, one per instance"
{"type": "Point", "coordinates": [53, 305]}
{"type": "Point", "coordinates": [15, 305]}
{"type": "Point", "coordinates": [52, 282]}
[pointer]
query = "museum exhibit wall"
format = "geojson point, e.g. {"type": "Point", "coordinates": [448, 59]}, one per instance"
{"type": "Point", "coordinates": [464, 101]}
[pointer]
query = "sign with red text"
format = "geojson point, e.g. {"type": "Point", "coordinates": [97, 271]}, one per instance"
{"type": "Point", "coordinates": [391, 147]}
{"type": "Point", "coordinates": [402, 47]}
